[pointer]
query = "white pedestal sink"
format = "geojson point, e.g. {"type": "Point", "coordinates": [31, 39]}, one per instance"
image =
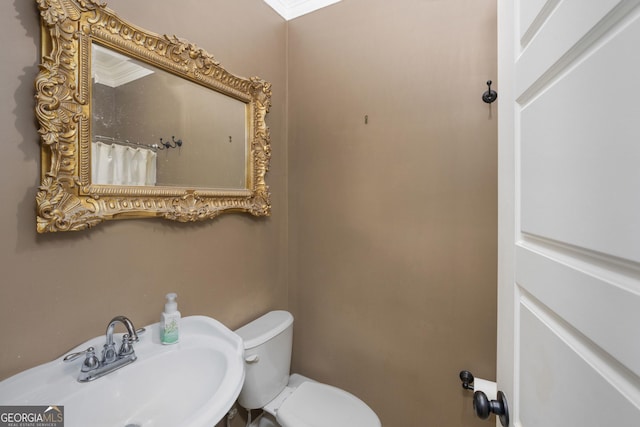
{"type": "Point", "coordinates": [193, 383]}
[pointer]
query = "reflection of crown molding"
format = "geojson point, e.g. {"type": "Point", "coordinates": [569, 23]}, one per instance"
{"type": "Point", "coordinates": [112, 69]}
{"type": "Point", "coordinates": [290, 9]}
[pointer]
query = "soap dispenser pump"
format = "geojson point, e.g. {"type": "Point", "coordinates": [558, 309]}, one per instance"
{"type": "Point", "coordinates": [169, 321]}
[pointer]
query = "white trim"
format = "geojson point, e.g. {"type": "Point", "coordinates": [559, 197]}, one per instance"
{"type": "Point", "coordinates": [290, 9]}
{"type": "Point", "coordinates": [508, 346]}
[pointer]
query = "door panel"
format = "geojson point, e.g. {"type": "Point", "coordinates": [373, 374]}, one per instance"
{"type": "Point", "coordinates": [556, 364]}
{"type": "Point", "coordinates": [532, 14]}
{"type": "Point", "coordinates": [600, 304]}
{"type": "Point", "coordinates": [561, 31]}
{"type": "Point", "coordinates": [569, 222]}
{"type": "Point", "coordinates": [579, 159]}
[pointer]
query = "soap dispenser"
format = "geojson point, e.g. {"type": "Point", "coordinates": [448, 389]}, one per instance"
{"type": "Point", "coordinates": [169, 321]}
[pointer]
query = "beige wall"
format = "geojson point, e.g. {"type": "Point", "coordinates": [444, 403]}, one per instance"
{"type": "Point", "coordinates": [60, 289]}
{"type": "Point", "coordinates": [393, 224]}
{"type": "Point", "coordinates": [382, 240]}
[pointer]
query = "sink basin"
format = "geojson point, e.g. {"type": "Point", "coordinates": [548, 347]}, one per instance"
{"type": "Point", "coordinates": [193, 383]}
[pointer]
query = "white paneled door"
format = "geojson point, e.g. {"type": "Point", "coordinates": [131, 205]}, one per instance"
{"type": "Point", "coordinates": [569, 206]}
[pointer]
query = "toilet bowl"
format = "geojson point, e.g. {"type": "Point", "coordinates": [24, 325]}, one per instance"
{"type": "Point", "coordinates": [291, 400]}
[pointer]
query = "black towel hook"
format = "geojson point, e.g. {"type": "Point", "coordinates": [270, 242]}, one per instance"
{"type": "Point", "coordinates": [173, 144]}
{"type": "Point", "coordinates": [490, 95]}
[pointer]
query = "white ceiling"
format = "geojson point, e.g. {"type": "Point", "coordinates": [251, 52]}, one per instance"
{"type": "Point", "coordinates": [290, 9]}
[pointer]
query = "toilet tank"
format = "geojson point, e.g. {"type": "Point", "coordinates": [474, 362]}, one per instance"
{"type": "Point", "coordinates": [267, 353]}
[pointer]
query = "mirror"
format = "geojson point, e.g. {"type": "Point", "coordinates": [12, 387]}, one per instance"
{"type": "Point", "coordinates": [138, 125]}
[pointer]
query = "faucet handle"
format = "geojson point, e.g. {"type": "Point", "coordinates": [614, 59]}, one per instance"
{"type": "Point", "coordinates": [139, 332]}
{"type": "Point", "coordinates": [126, 348]}
{"type": "Point", "coordinates": [91, 362]}
{"type": "Point", "coordinates": [127, 345]}
{"type": "Point", "coordinates": [73, 356]}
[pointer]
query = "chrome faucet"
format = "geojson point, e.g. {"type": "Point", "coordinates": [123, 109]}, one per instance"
{"type": "Point", "coordinates": [109, 354]}
{"type": "Point", "coordinates": [93, 368]}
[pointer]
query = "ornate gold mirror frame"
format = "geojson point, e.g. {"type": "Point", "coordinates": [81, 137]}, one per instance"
{"type": "Point", "coordinates": [67, 199]}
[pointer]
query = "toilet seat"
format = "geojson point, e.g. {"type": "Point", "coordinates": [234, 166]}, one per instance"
{"type": "Point", "coordinates": [320, 405]}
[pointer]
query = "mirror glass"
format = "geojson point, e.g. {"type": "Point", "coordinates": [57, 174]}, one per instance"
{"type": "Point", "coordinates": [152, 128]}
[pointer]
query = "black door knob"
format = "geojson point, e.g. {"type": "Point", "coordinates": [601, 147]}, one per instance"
{"type": "Point", "coordinates": [484, 407]}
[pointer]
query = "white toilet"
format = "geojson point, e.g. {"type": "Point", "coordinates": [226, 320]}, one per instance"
{"type": "Point", "coordinates": [291, 401]}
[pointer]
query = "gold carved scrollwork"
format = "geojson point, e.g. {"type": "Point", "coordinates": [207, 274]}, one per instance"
{"type": "Point", "coordinates": [67, 199]}
{"type": "Point", "coordinates": [58, 210]}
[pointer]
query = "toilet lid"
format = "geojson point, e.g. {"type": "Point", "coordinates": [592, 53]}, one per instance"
{"type": "Point", "coordinates": [320, 405]}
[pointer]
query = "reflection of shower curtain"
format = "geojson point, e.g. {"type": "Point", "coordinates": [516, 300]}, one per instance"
{"type": "Point", "coordinates": [120, 165]}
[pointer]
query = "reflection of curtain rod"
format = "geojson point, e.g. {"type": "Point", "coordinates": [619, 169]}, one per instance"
{"type": "Point", "coordinates": [112, 140]}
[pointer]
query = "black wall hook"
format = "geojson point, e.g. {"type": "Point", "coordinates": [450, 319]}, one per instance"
{"type": "Point", "coordinates": [173, 144]}
{"type": "Point", "coordinates": [490, 95]}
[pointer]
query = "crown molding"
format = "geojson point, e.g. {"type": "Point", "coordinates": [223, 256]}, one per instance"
{"type": "Point", "coordinates": [290, 9]}
{"type": "Point", "coordinates": [112, 69]}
